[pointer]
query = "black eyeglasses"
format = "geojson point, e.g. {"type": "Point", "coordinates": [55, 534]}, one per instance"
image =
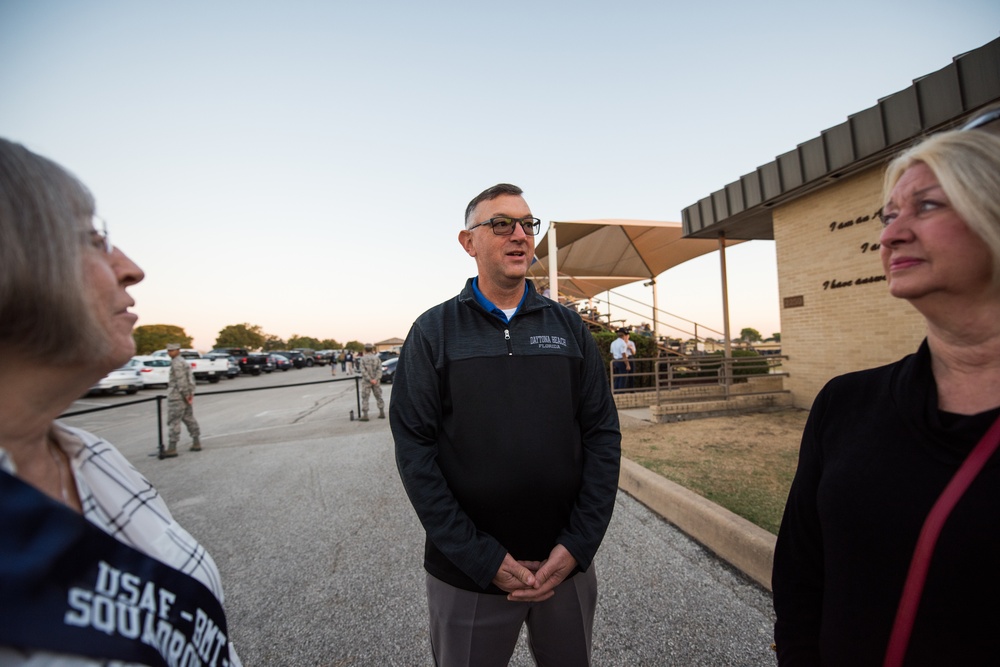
{"type": "Point", "coordinates": [504, 226]}
{"type": "Point", "coordinates": [984, 119]}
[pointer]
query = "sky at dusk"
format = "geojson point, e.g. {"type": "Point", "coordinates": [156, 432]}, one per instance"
{"type": "Point", "coordinates": [305, 166]}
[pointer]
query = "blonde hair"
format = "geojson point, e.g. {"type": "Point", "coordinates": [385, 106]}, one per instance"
{"type": "Point", "coordinates": [44, 214]}
{"type": "Point", "coordinates": [967, 165]}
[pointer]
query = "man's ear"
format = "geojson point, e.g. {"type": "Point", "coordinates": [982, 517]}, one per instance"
{"type": "Point", "coordinates": [465, 239]}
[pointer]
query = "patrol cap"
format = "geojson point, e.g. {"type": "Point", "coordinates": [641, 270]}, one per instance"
{"type": "Point", "coordinates": [369, 346]}
{"type": "Point", "coordinates": [173, 346]}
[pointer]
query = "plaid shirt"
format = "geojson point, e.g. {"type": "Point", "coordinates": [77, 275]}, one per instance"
{"type": "Point", "coordinates": [117, 499]}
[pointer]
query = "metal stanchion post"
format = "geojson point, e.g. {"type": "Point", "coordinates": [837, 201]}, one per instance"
{"type": "Point", "coordinates": [357, 391]}
{"type": "Point", "coordinates": [159, 426]}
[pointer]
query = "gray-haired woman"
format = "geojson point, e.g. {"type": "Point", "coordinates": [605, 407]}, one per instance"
{"type": "Point", "coordinates": [92, 565]}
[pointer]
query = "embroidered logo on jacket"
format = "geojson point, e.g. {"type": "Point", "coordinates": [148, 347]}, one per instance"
{"type": "Point", "coordinates": [548, 342]}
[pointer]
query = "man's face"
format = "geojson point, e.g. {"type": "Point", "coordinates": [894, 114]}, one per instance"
{"type": "Point", "coordinates": [502, 260]}
{"type": "Point", "coordinates": [173, 353]}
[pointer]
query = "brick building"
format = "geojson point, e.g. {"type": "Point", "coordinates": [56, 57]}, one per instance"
{"type": "Point", "coordinates": [819, 203]}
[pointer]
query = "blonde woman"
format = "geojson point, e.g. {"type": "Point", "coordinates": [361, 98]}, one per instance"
{"type": "Point", "coordinates": [889, 545]}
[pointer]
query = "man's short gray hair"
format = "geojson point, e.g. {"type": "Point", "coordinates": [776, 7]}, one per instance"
{"type": "Point", "coordinates": [488, 194]}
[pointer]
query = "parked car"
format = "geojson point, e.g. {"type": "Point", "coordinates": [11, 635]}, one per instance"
{"type": "Point", "coordinates": [308, 353]}
{"type": "Point", "coordinates": [261, 361]}
{"type": "Point", "coordinates": [298, 359]}
{"type": "Point", "coordinates": [127, 379]}
{"type": "Point", "coordinates": [252, 363]}
{"type": "Point", "coordinates": [153, 370]}
{"type": "Point", "coordinates": [389, 370]}
{"type": "Point", "coordinates": [232, 365]}
{"type": "Point", "coordinates": [208, 368]}
{"type": "Point", "coordinates": [387, 354]}
{"type": "Point", "coordinates": [280, 361]}
{"type": "Point", "coordinates": [324, 357]}
{"type": "Point", "coordinates": [230, 352]}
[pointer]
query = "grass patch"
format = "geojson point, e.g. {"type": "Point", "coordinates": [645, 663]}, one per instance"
{"type": "Point", "coordinates": [744, 463]}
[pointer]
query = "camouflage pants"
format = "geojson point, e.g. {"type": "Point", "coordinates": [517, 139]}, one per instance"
{"type": "Point", "coordinates": [179, 410]}
{"type": "Point", "coordinates": [366, 390]}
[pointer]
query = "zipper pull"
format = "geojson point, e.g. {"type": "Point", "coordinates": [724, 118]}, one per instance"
{"type": "Point", "coordinates": [506, 337]}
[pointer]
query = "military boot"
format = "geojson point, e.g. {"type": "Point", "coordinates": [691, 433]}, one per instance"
{"type": "Point", "coordinates": [170, 452]}
{"type": "Point", "coordinates": [381, 413]}
{"type": "Point", "coordinates": [196, 445]}
{"type": "Point", "coordinates": [364, 416]}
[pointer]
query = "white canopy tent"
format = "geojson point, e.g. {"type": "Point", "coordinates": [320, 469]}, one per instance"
{"type": "Point", "coordinates": [583, 258]}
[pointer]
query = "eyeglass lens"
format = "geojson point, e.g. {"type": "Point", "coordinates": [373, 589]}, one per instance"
{"type": "Point", "coordinates": [99, 235]}
{"type": "Point", "coordinates": [505, 226]}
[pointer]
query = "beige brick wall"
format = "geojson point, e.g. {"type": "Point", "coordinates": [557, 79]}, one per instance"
{"type": "Point", "coordinates": [826, 248]}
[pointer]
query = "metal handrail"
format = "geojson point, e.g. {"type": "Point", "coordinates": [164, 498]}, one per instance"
{"type": "Point", "coordinates": [159, 398]}
{"type": "Point", "coordinates": [674, 373]}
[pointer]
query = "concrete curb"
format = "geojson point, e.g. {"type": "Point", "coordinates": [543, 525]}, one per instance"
{"type": "Point", "coordinates": [740, 543]}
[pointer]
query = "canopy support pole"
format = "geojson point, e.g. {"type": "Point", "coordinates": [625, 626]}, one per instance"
{"type": "Point", "coordinates": [656, 309]}
{"type": "Point", "coordinates": [553, 269]}
{"type": "Point", "coordinates": [725, 308]}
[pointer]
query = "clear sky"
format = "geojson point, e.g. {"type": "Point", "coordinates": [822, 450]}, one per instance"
{"type": "Point", "coordinates": [304, 166]}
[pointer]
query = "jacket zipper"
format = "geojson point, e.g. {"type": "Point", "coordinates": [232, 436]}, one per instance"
{"type": "Point", "coordinates": [506, 337]}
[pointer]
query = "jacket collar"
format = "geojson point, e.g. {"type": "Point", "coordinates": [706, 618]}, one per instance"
{"type": "Point", "coordinates": [532, 299]}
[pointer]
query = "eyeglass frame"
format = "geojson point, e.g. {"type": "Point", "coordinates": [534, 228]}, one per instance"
{"type": "Point", "coordinates": [535, 225]}
{"type": "Point", "coordinates": [983, 119]}
{"type": "Point", "coordinates": [101, 234]}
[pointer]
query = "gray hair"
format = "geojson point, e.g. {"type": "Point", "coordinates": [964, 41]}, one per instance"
{"type": "Point", "coordinates": [489, 194]}
{"type": "Point", "coordinates": [967, 165]}
{"type": "Point", "coordinates": [44, 210]}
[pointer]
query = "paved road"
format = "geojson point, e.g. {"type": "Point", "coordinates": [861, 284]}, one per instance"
{"type": "Point", "coordinates": [321, 552]}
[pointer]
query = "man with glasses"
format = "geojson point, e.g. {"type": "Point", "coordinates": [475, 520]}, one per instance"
{"type": "Point", "coordinates": [507, 443]}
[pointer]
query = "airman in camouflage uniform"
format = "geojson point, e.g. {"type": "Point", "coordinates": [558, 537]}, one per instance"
{"type": "Point", "coordinates": [371, 377]}
{"type": "Point", "coordinates": [180, 396]}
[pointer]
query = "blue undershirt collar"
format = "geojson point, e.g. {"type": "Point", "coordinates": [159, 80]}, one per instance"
{"type": "Point", "coordinates": [492, 309]}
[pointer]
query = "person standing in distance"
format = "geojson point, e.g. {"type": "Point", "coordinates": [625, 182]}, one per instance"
{"type": "Point", "coordinates": [620, 359]}
{"type": "Point", "coordinates": [630, 358]}
{"type": "Point", "coordinates": [508, 446]}
{"type": "Point", "coordinates": [180, 399]}
{"type": "Point", "coordinates": [371, 376]}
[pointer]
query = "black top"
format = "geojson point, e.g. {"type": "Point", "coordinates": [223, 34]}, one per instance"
{"type": "Point", "coordinates": [506, 436]}
{"type": "Point", "coordinates": [876, 454]}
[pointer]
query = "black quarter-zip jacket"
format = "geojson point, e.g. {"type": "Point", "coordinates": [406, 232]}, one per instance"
{"type": "Point", "coordinates": [506, 436]}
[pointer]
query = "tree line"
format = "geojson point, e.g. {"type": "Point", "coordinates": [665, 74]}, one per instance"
{"type": "Point", "coordinates": [152, 337]}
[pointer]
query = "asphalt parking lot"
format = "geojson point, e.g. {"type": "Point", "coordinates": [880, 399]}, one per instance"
{"type": "Point", "coordinates": [320, 551]}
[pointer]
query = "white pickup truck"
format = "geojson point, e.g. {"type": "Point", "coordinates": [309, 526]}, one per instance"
{"type": "Point", "coordinates": [203, 368]}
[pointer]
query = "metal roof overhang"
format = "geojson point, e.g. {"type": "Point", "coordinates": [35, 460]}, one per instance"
{"type": "Point", "coordinates": [938, 101]}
